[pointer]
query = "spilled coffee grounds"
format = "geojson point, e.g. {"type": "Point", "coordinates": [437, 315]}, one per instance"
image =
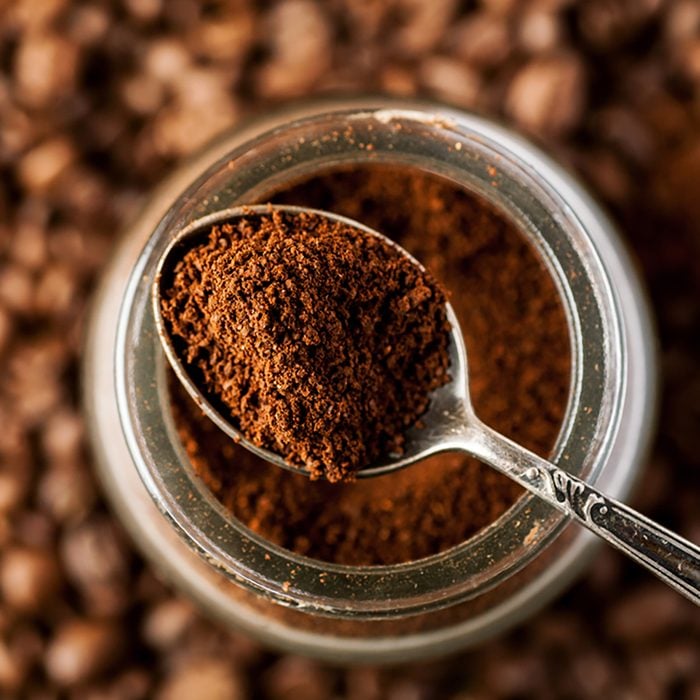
{"type": "Point", "coordinates": [519, 363]}
{"type": "Point", "coordinates": [322, 342]}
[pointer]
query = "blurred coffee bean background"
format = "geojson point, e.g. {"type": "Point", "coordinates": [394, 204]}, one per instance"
{"type": "Point", "coordinates": [100, 99]}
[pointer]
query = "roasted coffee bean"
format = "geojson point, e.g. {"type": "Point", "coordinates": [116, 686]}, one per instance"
{"type": "Point", "coordinates": [206, 678]}
{"type": "Point", "coordinates": [548, 95]}
{"type": "Point", "coordinates": [291, 678]}
{"type": "Point", "coordinates": [82, 648]}
{"type": "Point", "coordinates": [29, 578]}
{"type": "Point", "coordinates": [167, 622]}
{"type": "Point", "coordinates": [97, 561]}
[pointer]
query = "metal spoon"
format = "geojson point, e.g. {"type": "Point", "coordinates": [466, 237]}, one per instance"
{"type": "Point", "coordinates": [451, 424]}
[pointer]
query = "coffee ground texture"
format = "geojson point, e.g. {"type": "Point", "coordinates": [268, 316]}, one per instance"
{"type": "Point", "coordinates": [517, 341]}
{"type": "Point", "coordinates": [322, 341]}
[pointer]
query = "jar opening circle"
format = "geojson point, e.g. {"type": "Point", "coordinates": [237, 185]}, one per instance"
{"type": "Point", "coordinates": [452, 145]}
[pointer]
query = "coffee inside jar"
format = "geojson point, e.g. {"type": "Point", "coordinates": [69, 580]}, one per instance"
{"type": "Point", "coordinates": [519, 363]}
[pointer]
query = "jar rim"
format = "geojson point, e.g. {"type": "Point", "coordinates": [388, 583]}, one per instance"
{"type": "Point", "coordinates": [426, 138]}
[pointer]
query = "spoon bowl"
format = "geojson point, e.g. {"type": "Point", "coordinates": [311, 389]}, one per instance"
{"type": "Point", "coordinates": [449, 403]}
{"type": "Point", "coordinates": [450, 424]}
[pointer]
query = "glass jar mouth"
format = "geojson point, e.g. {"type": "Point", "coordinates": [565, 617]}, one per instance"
{"type": "Point", "coordinates": [519, 181]}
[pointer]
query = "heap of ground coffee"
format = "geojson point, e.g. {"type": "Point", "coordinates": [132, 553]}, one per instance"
{"type": "Point", "coordinates": [519, 363]}
{"type": "Point", "coordinates": [322, 341]}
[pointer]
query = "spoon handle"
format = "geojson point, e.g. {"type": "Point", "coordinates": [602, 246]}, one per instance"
{"type": "Point", "coordinates": [673, 559]}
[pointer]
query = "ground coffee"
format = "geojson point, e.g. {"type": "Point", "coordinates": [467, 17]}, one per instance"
{"type": "Point", "coordinates": [519, 364]}
{"type": "Point", "coordinates": [322, 341]}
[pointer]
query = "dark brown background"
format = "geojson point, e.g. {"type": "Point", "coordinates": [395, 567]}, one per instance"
{"type": "Point", "coordinates": [99, 100]}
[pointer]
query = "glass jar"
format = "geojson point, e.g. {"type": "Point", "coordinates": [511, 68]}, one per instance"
{"type": "Point", "coordinates": [373, 613]}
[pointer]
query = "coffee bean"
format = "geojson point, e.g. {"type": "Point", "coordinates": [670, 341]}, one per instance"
{"type": "Point", "coordinates": [646, 614]}
{"type": "Point", "coordinates": [143, 94]}
{"type": "Point", "coordinates": [421, 27]}
{"type": "Point", "coordinates": [28, 578]}
{"type": "Point", "coordinates": [81, 648]}
{"type": "Point", "coordinates": [451, 79]}
{"type": "Point", "coordinates": [96, 560]}
{"type": "Point", "coordinates": [16, 289]}
{"type": "Point", "coordinates": [294, 66]}
{"type": "Point", "coordinates": [167, 622]}
{"type": "Point", "coordinates": [62, 436]}
{"type": "Point", "coordinates": [41, 167]}
{"type": "Point", "coordinates": [213, 679]}
{"type": "Point", "coordinates": [482, 39]}
{"type": "Point", "coordinates": [88, 24]}
{"type": "Point", "coordinates": [166, 59]}
{"type": "Point", "coordinates": [144, 10]}
{"type": "Point", "coordinates": [13, 488]}
{"type": "Point", "coordinates": [29, 242]}
{"type": "Point", "coordinates": [293, 677]}
{"type": "Point", "coordinates": [46, 68]}
{"type": "Point", "coordinates": [35, 14]}
{"type": "Point", "coordinates": [547, 96]}
{"type": "Point", "coordinates": [12, 672]}
{"type": "Point", "coordinates": [67, 492]}
{"type": "Point", "coordinates": [539, 30]}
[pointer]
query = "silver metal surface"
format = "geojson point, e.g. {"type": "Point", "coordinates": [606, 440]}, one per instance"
{"type": "Point", "coordinates": [451, 424]}
{"type": "Point", "coordinates": [669, 556]}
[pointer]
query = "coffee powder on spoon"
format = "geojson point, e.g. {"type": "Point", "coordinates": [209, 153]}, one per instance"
{"type": "Point", "coordinates": [321, 341]}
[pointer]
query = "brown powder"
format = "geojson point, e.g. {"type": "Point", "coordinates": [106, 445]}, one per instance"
{"type": "Point", "coordinates": [322, 342]}
{"type": "Point", "coordinates": [517, 339]}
